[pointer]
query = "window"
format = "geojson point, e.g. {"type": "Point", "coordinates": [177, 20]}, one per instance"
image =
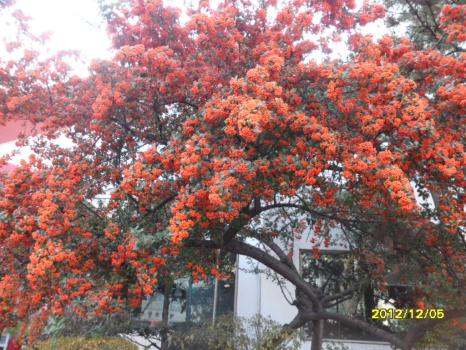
{"type": "Point", "coordinates": [335, 272]}
{"type": "Point", "coordinates": [3, 342]}
{"type": "Point", "coordinates": [192, 302]}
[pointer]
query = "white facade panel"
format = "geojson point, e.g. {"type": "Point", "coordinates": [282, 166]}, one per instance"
{"type": "Point", "coordinates": [259, 294]}
{"type": "Point", "coordinates": [248, 287]}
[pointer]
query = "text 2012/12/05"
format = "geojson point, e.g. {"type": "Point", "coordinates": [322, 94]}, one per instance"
{"type": "Point", "coordinates": [402, 314]}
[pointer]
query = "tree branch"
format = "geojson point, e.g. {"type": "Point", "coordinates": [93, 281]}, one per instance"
{"type": "Point", "coordinates": [355, 323]}
{"type": "Point", "coordinates": [276, 265]}
{"type": "Point", "coordinates": [264, 258]}
{"type": "Point", "coordinates": [285, 332]}
{"type": "Point", "coordinates": [280, 253]}
{"type": "Point", "coordinates": [421, 327]}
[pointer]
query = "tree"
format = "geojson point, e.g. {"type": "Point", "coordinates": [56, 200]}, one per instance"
{"type": "Point", "coordinates": [75, 343]}
{"type": "Point", "coordinates": [202, 133]}
{"type": "Point", "coordinates": [430, 23]}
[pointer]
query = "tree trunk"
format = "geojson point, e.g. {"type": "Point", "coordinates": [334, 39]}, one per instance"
{"type": "Point", "coordinates": [165, 314]}
{"type": "Point", "coordinates": [317, 334]}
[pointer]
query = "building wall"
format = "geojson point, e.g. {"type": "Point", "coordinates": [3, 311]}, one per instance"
{"type": "Point", "coordinates": [4, 339]}
{"type": "Point", "coordinates": [258, 294]}
{"type": "Point", "coordinates": [8, 136]}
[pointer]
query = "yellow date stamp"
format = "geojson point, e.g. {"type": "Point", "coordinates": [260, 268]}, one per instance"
{"type": "Point", "coordinates": [405, 314]}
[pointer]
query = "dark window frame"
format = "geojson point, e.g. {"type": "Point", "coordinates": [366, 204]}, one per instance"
{"type": "Point", "coordinates": [330, 325]}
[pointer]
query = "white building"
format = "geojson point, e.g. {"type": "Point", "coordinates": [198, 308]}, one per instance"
{"type": "Point", "coordinates": [255, 293]}
{"type": "Point", "coordinates": [258, 294]}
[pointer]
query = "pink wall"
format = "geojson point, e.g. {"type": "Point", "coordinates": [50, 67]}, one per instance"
{"type": "Point", "coordinates": [10, 132]}
{"type": "Point", "coordinates": [12, 129]}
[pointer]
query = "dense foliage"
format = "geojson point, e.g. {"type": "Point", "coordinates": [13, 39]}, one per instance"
{"type": "Point", "coordinates": [429, 23]}
{"type": "Point", "coordinates": [231, 333]}
{"type": "Point", "coordinates": [77, 343]}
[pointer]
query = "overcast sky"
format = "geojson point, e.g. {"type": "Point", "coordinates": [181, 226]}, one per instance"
{"type": "Point", "coordinates": [77, 25]}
